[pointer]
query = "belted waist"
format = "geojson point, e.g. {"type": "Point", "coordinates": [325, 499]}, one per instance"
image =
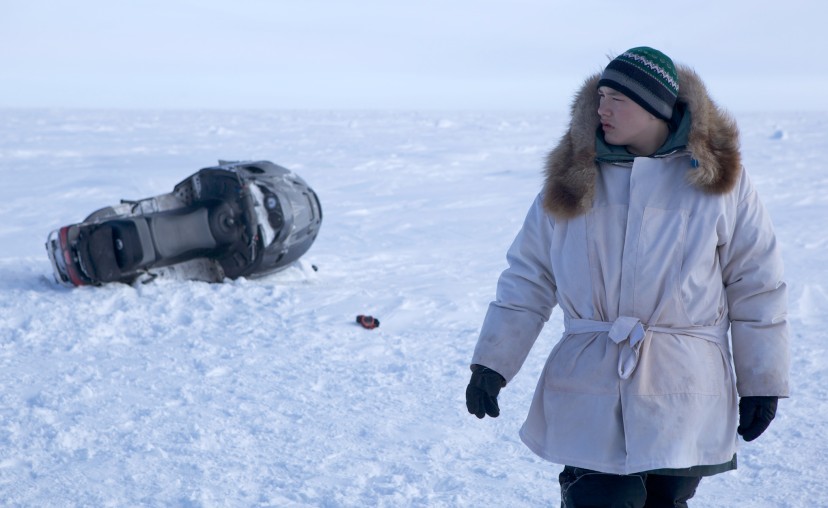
{"type": "Point", "coordinates": [633, 332]}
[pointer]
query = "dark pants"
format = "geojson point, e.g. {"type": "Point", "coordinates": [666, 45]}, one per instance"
{"type": "Point", "coordinates": [583, 488]}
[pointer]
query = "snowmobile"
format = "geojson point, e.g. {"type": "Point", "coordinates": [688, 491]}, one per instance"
{"type": "Point", "coordinates": [237, 219]}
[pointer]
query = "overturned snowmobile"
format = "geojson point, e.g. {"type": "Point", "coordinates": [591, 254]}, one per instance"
{"type": "Point", "coordinates": [237, 219]}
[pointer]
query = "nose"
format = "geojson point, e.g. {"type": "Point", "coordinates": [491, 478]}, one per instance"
{"type": "Point", "coordinates": [603, 110]}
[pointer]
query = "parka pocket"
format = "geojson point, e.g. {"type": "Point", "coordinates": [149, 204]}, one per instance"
{"type": "Point", "coordinates": [680, 364]}
{"type": "Point", "coordinates": [583, 363]}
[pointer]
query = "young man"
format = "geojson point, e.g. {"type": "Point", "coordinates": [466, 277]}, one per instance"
{"type": "Point", "coordinates": [651, 238]}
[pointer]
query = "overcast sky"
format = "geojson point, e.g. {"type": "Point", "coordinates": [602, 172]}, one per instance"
{"type": "Point", "coordinates": [387, 54]}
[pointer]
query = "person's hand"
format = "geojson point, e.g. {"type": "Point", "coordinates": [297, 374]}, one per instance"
{"type": "Point", "coordinates": [755, 414]}
{"type": "Point", "coordinates": [481, 393]}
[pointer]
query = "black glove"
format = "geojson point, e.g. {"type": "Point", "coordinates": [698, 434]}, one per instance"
{"type": "Point", "coordinates": [481, 394]}
{"type": "Point", "coordinates": [755, 414]}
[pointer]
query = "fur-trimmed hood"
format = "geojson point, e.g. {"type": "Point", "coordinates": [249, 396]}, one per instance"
{"type": "Point", "coordinates": [571, 168]}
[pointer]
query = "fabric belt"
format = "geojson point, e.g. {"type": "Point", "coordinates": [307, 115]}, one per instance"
{"type": "Point", "coordinates": [632, 332]}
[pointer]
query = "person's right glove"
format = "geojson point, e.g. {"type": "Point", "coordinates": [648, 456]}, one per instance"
{"type": "Point", "coordinates": [482, 391]}
{"type": "Point", "coordinates": [755, 414]}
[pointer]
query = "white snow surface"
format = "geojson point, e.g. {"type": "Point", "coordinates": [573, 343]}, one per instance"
{"type": "Point", "coordinates": [265, 392]}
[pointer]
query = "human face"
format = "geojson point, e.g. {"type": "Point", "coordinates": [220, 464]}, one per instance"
{"type": "Point", "coordinates": [625, 123]}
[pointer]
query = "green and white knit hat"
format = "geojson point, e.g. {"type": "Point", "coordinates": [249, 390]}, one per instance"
{"type": "Point", "coordinates": [646, 76]}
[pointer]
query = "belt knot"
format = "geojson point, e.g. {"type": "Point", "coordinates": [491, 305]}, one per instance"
{"type": "Point", "coordinates": [626, 329]}
{"type": "Point", "coordinates": [629, 332]}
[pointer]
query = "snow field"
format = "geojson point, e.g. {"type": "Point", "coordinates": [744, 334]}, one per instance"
{"type": "Point", "coordinates": [264, 392]}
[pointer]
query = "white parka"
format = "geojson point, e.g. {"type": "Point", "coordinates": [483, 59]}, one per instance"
{"type": "Point", "coordinates": [651, 263]}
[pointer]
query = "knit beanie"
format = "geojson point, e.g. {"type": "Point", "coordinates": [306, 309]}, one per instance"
{"type": "Point", "coordinates": [646, 76]}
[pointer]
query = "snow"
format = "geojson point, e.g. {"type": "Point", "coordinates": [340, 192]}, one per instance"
{"type": "Point", "coordinates": [265, 392]}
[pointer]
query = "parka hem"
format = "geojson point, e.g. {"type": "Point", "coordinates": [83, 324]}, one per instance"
{"type": "Point", "coordinates": [715, 466]}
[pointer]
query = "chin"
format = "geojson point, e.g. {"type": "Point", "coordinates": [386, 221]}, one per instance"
{"type": "Point", "coordinates": [613, 140]}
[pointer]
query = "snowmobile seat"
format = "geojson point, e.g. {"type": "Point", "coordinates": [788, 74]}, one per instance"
{"type": "Point", "coordinates": [133, 246]}
{"type": "Point", "coordinates": [115, 248]}
{"type": "Point", "coordinates": [97, 255]}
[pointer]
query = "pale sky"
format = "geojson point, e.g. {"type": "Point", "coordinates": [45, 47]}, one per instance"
{"type": "Point", "coordinates": [386, 54]}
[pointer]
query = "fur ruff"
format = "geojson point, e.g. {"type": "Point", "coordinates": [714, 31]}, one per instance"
{"type": "Point", "coordinates": [571, 168]}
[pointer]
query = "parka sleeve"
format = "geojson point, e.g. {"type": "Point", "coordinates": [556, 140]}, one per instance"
{"type": "Point", "coordinates": [524, 300]}
{"type": "Point", "coordinates": [757, 299]}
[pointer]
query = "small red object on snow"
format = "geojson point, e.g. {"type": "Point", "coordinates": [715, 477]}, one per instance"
{"type": "Point", "coordinates": [368, 322]}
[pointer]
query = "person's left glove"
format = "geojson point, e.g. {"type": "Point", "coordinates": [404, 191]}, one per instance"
{"type": "Point", "coordinates": [482, 391]}
{"type": "Point", "coordinates": [755, 414]}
